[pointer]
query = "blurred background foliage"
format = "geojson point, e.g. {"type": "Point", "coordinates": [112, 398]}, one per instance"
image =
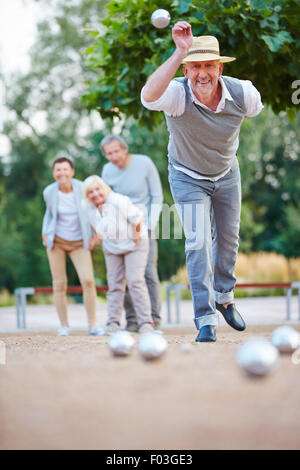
{"type": "Point", "coordinates": [262, 34]}
{"type": "Point", "coordinates": [59, 107]}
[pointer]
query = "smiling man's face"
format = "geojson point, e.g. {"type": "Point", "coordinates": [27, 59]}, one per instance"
{"type": "Point", "coordinates": [116, 154]}
{"type": "Point", "coordinates": [203, 77]}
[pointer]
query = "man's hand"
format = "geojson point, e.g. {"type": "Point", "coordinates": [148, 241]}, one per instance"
{"type": "Point", "coordinates": [182, 36]}
{"type": "Point", "coordinates": [136, 236]}
{"type": "Point", "coordinates": [158, 82]}
{"type": "Point", "coordinates": [94, 240]}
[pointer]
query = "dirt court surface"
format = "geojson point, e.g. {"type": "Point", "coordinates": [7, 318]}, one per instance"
{"type": "Point", "coordinates": [71, 393]}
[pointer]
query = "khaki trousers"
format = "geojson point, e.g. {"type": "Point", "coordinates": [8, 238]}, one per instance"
{"type": "Point", "coordinates": [82, 262]}
{"type": "Point", "coordinates": [128, 267]}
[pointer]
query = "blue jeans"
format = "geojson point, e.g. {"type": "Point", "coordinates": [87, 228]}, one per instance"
{"type": "Point", "coordinates": [210, 216]}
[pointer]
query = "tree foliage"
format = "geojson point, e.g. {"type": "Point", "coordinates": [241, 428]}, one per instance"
{"type": "Point", "coordinates": [262, 34]}
{"type": "Point", "coordinates": [270, 167]}
{"type": "Point", "coordinates": [46, 116]}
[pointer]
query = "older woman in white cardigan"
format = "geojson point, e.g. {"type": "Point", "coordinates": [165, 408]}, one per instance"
{"type": "Point", "coordinates": [125, 243]}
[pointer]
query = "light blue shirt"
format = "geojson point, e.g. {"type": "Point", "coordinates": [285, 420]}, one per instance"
{"type": "Point", "coordinates": [139, 181]}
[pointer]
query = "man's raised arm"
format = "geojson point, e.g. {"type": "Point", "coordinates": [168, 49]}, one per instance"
{"type": "Point", "coordinates": [158, 82]}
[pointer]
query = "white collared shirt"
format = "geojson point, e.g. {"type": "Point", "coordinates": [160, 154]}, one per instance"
{"type": "Point", "coordinates": [172, 102]}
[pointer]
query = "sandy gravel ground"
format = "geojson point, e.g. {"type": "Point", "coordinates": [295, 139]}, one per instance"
{"type": "Point", "coordinates": [70, 393]}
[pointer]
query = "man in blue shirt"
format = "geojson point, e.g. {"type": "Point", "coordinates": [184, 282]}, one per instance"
{"type": "Point", "coordinates": [136, 176]}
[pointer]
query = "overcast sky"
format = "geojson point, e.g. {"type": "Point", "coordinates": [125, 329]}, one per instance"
{"type": "Point", "coordinates": [18, 20]}
{"type": "Point", "coordinates": [17, 32]}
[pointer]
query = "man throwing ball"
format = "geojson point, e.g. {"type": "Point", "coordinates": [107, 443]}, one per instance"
{"type": "Point", "coordinates": [204, 112]}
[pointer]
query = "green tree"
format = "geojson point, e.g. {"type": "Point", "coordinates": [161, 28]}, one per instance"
{"type": "Point", "coordinates": [270, 168]}
{"type": "Point", "coordinates": [45, 118]}
{"type": "Point", "coordinates": [262, 34]}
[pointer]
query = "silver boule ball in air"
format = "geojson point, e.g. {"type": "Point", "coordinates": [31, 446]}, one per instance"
{"type": "Point", "coordinates": [121, 343]}
{"type": "Point", "coordinates": [286, 339]}
{"type": "Point", "coordinates": [257, 356]}
{"type": "Point", "coordinates": [160, 18]}
{"type": "Point", "coordinates": [152, 346]}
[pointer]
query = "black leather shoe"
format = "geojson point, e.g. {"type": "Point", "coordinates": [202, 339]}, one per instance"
{"type": "Point", "coordinates": [232, 316]}
{"type": "Point", "coordinates": [206, 334]}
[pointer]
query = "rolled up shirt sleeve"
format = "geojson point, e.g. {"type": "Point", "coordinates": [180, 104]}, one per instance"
{"type": "Point", "coordinates": [172, 101]}
{"type": "Point", "coordinates": [252, 99]}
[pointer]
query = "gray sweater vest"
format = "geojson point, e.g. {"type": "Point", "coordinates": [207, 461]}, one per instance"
{"type": "Point", "coordinates": [204, 141]}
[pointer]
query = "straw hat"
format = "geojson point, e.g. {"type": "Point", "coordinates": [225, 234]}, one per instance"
{"type": "Point", "coordinates": [205, 48]}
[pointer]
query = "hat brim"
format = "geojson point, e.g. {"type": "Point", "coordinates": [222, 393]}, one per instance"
{"type": "Point", "coordinates": [205, 57]}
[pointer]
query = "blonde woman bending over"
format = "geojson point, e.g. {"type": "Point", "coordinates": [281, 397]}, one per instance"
{"type": "Point", "coordinates": [125, 244]}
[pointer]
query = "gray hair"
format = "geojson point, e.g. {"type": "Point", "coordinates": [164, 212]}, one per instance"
{"type": "Point", "coordinates": [110, 138]}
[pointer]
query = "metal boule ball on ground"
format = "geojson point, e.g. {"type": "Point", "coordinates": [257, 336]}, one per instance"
{"type": "Point", "coordinates": [160, 18]}
{"type": "Point", "coordinates": [152, 346]}
{"type": "Point", "coordinates": [286, 339]}
{"type": "Point", "coordinates": [257, 357]}
{"type": "Point", "coordinates": [121, 343]}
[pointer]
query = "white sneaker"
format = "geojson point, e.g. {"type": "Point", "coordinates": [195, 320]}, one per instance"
{"type": "Point", "coordinates": [63, 331]}
{"type": "Point", "coordinates": [146, 328]}
{"type": "Point", "coordinates": [96, 331]}
{"type": "Point", "coordinates": [112, 328]}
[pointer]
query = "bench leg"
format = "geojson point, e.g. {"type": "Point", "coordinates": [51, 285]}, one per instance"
{"type": "Point", "coordinates": [18, 308]}
{"type": "Point", "coordinates": [23, 302]}
{"type": "Point", "coordinates": [288, 303]}
{"type": "Point", "coordinates": [177, 299]}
